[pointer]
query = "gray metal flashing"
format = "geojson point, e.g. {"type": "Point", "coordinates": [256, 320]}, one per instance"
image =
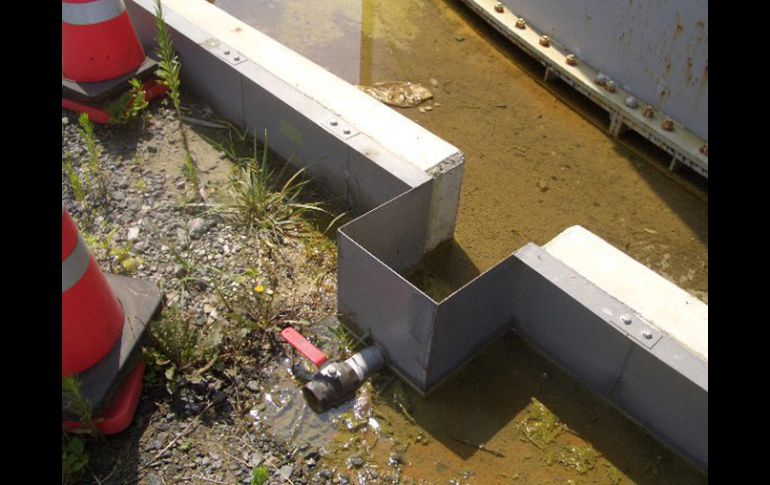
{"type": "Point", "coordinates": [408, 191]}
{"type": "Point", "coordinates": [664, 387]}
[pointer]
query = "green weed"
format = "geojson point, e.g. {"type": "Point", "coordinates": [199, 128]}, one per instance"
{"type": "Point", "coordinates": [76, 185]}
{"type": "Point", "coordinates": [76, 402]}
{"type": "Point", "coordinates": [541, 427]}
{"type": "Point", "coordinates": [129, 105]}
{"type": "Point", "coordinates": [121, 258]}
{"type": "Point", "coordinates": [169, 68]}
{"type": "Point", "coordinates": [95, 174]}
{"type": "Point", "coordinates": [259, 475]}
{"type": "Point", "coordinates": [74, 459]}
{"type": "Point", "coordinates": [182, 348]}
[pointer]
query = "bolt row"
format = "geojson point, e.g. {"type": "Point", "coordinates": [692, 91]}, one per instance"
{"type": "Point", "coordinates": [601, 79]}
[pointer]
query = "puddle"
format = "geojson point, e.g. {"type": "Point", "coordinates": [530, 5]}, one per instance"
{"type": "Point", "coordinates": [533, 168]}
{"type": "Point", "coordinates": [509, 416]}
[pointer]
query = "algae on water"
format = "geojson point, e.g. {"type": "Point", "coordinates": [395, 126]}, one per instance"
{"type": "Point", "coordinates": [541, 427]}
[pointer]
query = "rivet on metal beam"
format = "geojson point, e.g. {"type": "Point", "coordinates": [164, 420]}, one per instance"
{"type": "Point", "coordinates": [571, 59]}
{"type": "Point", "coordinates": [521, 23]}
{"type": "Point", "coordinates": [545, 41]}
{"type": "Point", "coordinates": [647, 334]}
{"type": "Point", "coordinates": [625, 319]}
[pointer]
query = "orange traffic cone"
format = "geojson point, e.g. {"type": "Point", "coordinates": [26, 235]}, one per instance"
{"type": "Point", "coordinates": [104, 318]}
{"type": "Point", "coordinates": [100, 53]}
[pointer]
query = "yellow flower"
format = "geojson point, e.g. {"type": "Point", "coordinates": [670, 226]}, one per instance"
{"type": "Point", "coordinates": [259, 289]}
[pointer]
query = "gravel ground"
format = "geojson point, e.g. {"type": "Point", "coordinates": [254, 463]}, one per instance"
{"type": "Point", "coordinates": [194, 426]}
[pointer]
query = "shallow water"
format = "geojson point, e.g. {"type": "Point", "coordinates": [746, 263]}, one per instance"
{"type": "Point", "coordinates": [509, 416]}
{"type": "Point", "coordinates": [534, 166]}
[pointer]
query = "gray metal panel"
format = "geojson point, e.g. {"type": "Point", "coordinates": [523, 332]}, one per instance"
{"type": "Point", "coordinates": [299, 130]}
{"type": "Point", "coordinates": [373, 298]}
{"type": "Point", "coordinates": [395, 233]}
{"type": "Point", "coordinates": [664, 401]}
{"type": "Point", "coordinates": [470, 318]}
{"type": "Point", "coordinates": [659, 49]}
{"type": "Point", "coordinates": [554, 310]}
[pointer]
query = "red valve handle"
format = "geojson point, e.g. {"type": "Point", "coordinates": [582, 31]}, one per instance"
{"type": "Point", "coordinates": [304, 347]}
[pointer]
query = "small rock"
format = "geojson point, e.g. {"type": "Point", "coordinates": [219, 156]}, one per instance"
{"type": "Point", "coordinates": [133, 233]}
{"type": "Point", "coordinates": [65, 121]}
{"type": "Point", "coordinates": [198, 227]}
{"type": "Point", "coordinates": [180, 184]}
{"type": "Point", "coordinates": [253, 386]}
{"type": "Point", "coordinates": [434, 82]}
{"type": "Point", "coordinates": [355, 461]}
{"type": "Point", "coordinates": [422, 110]}
{"type": "Point", "coordinates": [459, 38]}
{"type": "Point", "coordinates": [429, 108]}
{"type": "Point", "coordinates": [179, 270]}
{"type": "Point", "coordinates": [324, 473]}
{"type": "Point", "coordinates": [286, 471]}
{"type": "Point", "coordinates": [182, 238]}
{"type": "Point", "coordinates": [395, 459]}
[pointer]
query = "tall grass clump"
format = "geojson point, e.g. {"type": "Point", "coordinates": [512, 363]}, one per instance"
{"type": "Point", "coordinates": [256, 196]}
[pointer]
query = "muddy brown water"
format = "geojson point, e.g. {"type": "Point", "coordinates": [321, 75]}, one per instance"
{"type": "Point", "coordinates": [533, 167]}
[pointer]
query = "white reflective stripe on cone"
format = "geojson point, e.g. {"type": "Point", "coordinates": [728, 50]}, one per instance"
{"type": "Point", "coordinates": [90, 13]}
{"type": "Point", "coordinates": [74, 267]}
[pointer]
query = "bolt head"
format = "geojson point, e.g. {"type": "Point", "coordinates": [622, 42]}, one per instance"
{"type": "Point", "coordinates": [346, 131]}
{"type": "Point", "coordinates": [237, 58]}
{"type": "Point", "coordinates": [631, 102]}
{"type": "Point", "coordinates": [571, 59]}
{"type": "Point", "coordinates": [668, 124]}
{"type": "Point", "coordinates": [545, 41]}
{"type": "Point", "coordinates": [334, 122]}
{"type": "Point", "coordinates": [647, 334]}
{"type": "Point", "coordinates": [521, 23]}
{"type": "Point", "coordinates": [227, 52]}
{"type": "Point", "coordinates": [625, 319]}
{"type": "Point", "coordinates": [499, 7]}
{"type": "Point", "coordinates": [332, 372]}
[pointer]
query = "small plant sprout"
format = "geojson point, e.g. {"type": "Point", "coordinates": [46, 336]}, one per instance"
{"type": "Point", "coordinates": [81, 406]}
{"type": "Point", "coordinates": [129, 105]}
{"type": "Point", "coordinates": [168, 71]}
{"type": "Point", "coordinates": [96, 173]}
{"type": "Point", "coordinates": [76, 185]}
{"type": "Point", "coordinates": [74, 459]}
{"type": "Point", "coordinates": [259, 475]}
